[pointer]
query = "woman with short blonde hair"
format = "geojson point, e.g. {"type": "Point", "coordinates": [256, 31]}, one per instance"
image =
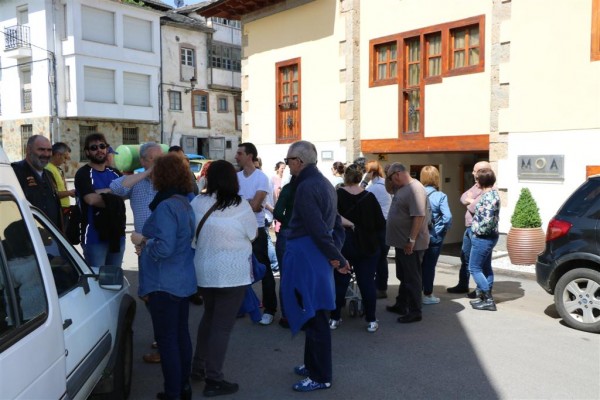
{"type": "Point", "coordinates": [439, 220]}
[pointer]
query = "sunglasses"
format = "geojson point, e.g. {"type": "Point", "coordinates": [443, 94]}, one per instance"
{"type": "Point", "coordinates": [100, 146]}
{"type": "Point", "coordinates": [287, 160]}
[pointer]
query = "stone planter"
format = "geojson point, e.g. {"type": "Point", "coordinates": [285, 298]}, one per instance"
{"type": "Point", "coordinates": [524, 245]}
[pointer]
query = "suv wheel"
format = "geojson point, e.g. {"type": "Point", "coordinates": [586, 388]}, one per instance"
{"type": "Point", "coordinates": [577, 299]}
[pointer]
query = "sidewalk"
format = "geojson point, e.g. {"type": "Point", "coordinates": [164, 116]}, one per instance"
{"type": "Point", "coordinates": [500, 263]}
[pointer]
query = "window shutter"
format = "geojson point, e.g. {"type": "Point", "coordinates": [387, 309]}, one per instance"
{"type": "Point", "coordinates": [136, 89]}
{"type": "Point", "coordinates": [138, 34]}
{"type": "Point", "coordinates": [97, 25]}
{"type": "Point", "coordinates": [99, 85]}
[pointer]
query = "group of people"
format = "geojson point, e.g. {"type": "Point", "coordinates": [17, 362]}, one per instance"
{"type": "Point", "coordinates": [190, 242]}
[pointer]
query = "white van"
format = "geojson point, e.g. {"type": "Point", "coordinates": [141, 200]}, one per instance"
{"type": "Point", "coordinates": [65, 329]}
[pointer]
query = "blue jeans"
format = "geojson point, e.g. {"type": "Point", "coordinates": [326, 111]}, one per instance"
{"type": "Point", "coordinates": [480, 261]}
{"type": "Point", "coordinates": [271, 251]}
{"type": "Point", "coordinates": [170, 321]}
{"type": "Point", "coordinates": [97, 254]}
{"type": "Point", "coordinates": [430, 259]}
{"type": "Point", "coordinates": [382, 273]}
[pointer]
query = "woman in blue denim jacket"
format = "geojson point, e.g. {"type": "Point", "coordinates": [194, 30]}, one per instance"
{"type": "Point", "coordinates": [167, 276]}
{"type": "Point", "coordinates": [439, 221]}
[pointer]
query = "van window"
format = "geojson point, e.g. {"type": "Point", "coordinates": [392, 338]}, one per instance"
{"type": "Point", "coordinates": [22, 295]}
{"type": "Point", "coordinates": [64, 269]}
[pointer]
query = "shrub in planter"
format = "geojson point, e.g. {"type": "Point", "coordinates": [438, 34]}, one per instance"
{"type": "Point", "coordinates": [526, 213]}
{"type": "Point", "coordinates": [526, 238]}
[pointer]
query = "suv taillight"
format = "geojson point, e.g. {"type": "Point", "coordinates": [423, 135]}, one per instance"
{"type": "Point", "coordinates": [557, 228]}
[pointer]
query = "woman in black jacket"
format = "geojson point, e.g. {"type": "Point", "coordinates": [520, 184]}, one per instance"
{"type": "Point", "coordinates": [362, 218]}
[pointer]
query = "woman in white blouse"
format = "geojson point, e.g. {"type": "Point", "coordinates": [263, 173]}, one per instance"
{"type": "Point", "coordinates": [223, 269]}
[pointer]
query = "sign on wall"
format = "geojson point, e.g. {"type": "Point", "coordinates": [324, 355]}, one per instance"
{"type": "Point", "coordinates": [541, 167]}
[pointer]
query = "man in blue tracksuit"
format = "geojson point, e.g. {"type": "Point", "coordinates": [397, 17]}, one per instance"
{"type": "Point", "coordinates": [312, 252]}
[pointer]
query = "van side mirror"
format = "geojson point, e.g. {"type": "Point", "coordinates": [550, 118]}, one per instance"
{"type": "Point", "coordinates": [110, 277]}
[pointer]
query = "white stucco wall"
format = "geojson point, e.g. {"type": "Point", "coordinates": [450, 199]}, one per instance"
{"type": "Point", "coordinates": [579, 148]}
{"type": "Point", "coordinates": [458, 106]}
{"type": "Point", "coordinates": [553, 84]}
{"type": "Point", "coordinates": [285, 36]}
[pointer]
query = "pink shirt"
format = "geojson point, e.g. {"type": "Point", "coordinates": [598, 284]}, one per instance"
{"type": "Point", "coordinates": [474, 193]}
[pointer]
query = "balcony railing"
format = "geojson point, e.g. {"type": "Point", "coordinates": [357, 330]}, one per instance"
{"type": "Point", "coordinates": [16, 37]}
{"type": "Point", "coordinates": [26, 100]}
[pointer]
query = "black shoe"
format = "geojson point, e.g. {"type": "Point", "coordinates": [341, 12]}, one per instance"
{"type": "Point", "coordinates": [397, 309]}
{"type": "Point", "coordinates": [219, 388]}
{"type": "Point", "coordinates": [407, 319]}
{"type": "Point", "coordinates": [458, 289]}
{"type": "Point", "coordinates": [198, 376]}
{"type": "Point", "coordinates": [487, 303]}
{"type": "Point", "coordinates": [473, 294]}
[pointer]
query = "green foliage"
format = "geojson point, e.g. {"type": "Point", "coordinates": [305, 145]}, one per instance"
{"type": "Point", "coordinates": [134, 2]}
{"type": "Point", "coordinates": [526, 213]}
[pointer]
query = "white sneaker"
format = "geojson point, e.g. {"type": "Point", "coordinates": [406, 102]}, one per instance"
{"type": "Point", "coordinates": [372, 326]}
{"type": "Point", "coordinates": [431, 299]}
{"type": "Point", "coordinates": [334, 323]}
{"type": "Point", "coordinates": [266, 319]}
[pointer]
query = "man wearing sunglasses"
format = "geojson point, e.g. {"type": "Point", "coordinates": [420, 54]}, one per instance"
{"type": "Point", "coordinates": [103, 213]}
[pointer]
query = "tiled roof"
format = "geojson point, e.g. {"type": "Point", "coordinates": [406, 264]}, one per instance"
{"type": "Point", "coordinates": [159, 5]}
{"type": "Point", "coordinates": [178, 18]}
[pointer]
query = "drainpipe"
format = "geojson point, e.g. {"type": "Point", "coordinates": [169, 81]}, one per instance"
{"type": "Point", "coordinates": [160, 92]}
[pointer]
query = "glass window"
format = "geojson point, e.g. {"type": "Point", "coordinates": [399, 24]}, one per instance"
{"type": "Point", "coordinates": [465, 46]}
{"type": "Point", "coordinates": [434, 54]}
{"type": "Point", "coordinates": [84, 130]}
{"type": "Point", "coordinates": [187, 57]}
{"type": "Point", "coordinates": [64, 269]}
{"type": "Point", "coordinates": [131, 136]}
{"type": "Point", "coordinates": [201, 102]}
{"type": "Point", "coordinates": [174, 100]}
{"type": "Point", "coordinates": [222, 104]}
{"type": "Point", "coordinates": [386, 55]}
{"type": "Point", "coordinates": [22, 294]}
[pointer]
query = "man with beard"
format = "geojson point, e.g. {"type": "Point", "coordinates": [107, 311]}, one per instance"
{"type": "Point", "coordinates": [102, 245]}
{"type": "Point", "coordinates": [36, 181]}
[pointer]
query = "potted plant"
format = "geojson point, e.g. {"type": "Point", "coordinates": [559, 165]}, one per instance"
{"type": "Point", "coordinates": [526, 238]}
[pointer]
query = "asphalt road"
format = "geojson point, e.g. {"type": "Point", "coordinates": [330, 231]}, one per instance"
{"type": "Point", "coordinates": [522, 351]}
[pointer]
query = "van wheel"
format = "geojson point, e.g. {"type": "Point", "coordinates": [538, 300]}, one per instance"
{"type": "Point", "coordinates": [577, 299]}
{"type": "Point", "coordinates": [124, 367]}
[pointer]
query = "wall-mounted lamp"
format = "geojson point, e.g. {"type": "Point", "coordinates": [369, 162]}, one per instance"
{"type": "Point", "coordinates": [193, 81]}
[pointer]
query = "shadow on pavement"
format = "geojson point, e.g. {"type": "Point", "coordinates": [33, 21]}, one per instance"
{"type": "Point", "coordinates": [432, 359]}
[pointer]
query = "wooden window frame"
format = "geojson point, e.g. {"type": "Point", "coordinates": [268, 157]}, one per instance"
{"type": "Point", "coordinates": [222, 110]}
{"type": "Point", "coordinates": [206, 94]}
{"type": "Point", "coordinates": [445, 30]}
{"type": "Point", "coordinates": [427, 57]}
{"type": "Point", "coordinates": [466, 49]}
{"type": "Point", "coordinates": [280, 107]}
{"type": "Point", "coordinates": [373, 45]}
{"type": "Point", "coordinates": [595, 45]}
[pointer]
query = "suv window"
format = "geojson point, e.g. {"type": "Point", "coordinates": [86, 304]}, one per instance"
{"type": "Point", "coordinates": [64, 270]}
{"type": "Point", "coordinates": [582, 199]}
{"type": "Point", "coordinates": [22, 294]}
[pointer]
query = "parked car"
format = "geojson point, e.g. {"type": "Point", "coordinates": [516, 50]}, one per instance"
{"type": "Point", "coordinates": [65, 328]}
{"type": "Point", "coordinates": [569, 267]}
{"type": "Point", "coordinates": [196, 164]}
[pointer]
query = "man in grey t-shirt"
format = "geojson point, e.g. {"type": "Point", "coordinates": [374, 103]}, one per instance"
{"type": "Point", "coordinates": [407, 231]}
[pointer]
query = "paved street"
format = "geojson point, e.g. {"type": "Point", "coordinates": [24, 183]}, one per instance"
{"type": "Point", "coordinates": [522, 351]}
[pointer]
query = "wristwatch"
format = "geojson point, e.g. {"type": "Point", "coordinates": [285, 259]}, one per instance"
{"type": "Point", "coordinates": [410, 240]}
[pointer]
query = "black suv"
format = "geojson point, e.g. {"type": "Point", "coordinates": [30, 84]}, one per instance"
{"type": "Point", "coordinates": [569, 267]}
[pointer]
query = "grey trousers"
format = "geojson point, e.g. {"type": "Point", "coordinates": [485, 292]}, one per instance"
{"type": "Point", "coordinates": [221, 306]}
